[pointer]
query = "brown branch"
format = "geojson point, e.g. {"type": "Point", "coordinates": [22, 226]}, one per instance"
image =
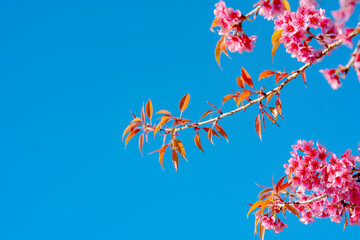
{"type": "Point", "coordinates": [278, 88]}
{"type": "Point", "coordinates": [312, 200]}
{"type": "Point", "coordinates": [346, 68]}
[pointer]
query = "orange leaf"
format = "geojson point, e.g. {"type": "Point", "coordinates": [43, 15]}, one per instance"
{"type": "Point", "coordinates": [210, 134]}
{"type": "Point", "coordinates": [206, 113]}
{"type": "Point", "coordinates": [292, 209]}
{"type": "Point", "coordinates": [184, 102]}
{"type": "Point", "coordinates": [131, 134]}
{"type": "Point", "coordinates": [269, 97]}
{"type": "Point", "coordinates": [264, 204]}
{"type": "Point", "coordinates": [221, 131]}
{"type": "Point", "coordinates": [175, 159]}
{"type": "Point", "coordinates": [303, 76]}
{"type": "Point", "coordinates": [213, 24]}
{"type": "Point", "coordinates": [258, 126]}
{"type": "Point", "coordinates": [261, 232]}
{"type": "Point", "coordinates": [164, 112]}
{"type": "Point", "coordinates": [228, 97]}
{"type": "Point", "coordinates": [141, 142]}
{"type": "Point", "coordinates": [254, 206]}
{"type": "Point", "coordinates": [136, 120]}
{"type": "Point", "coordinates": [243, 96]}
{"type": "Point", "coordinates": [266, 190]}
{"type": "Point", "coordinates": [256, 224]}
{"type": "Point", "coordinates": [286, 5]}
{"type": "Point", "coordinates": [240, 82]}
{"type": "Point", "coordinates": [143, 114]}
{"type": "Point", "coordinates": [345, 222]}
{"type": "Point", "coordinates": [161, 154]}
{"type": "Point", "coordinates": [279, 107]}
{"type": "Point", "coordinates": [198, 142]}
{"type": "Point", "coordinates": [275, 40]}
{"type": "Point", "coordinates": [180, 148]}
{"type": "Point", "coordinates": [130, 128]}
{"type": "Point", "coordinates": [163, 121]}
{"type": "Point", "coordinates": [245, 75]}
{"type": "Point", "coordinates": [218, 50]}
{"type": "Point", "coordinates": [266, 74]}
{"type": "Point", "coordinates": [274, 112]}
{"type": "Point", "coordinates": [149, 109]}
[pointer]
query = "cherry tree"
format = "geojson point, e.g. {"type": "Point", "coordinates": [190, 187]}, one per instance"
{"type": "Point", "coordinates": [317, 182]}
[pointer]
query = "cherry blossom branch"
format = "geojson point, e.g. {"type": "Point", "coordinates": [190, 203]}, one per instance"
{"type": "Point", "coordinates": [254, 11]}
{"type": "Point", "coordinates": [265, 95]}
{"type": "Point", "coordinates": [352, 59]}
{"type": "Point", "coordinates": [311, 200]}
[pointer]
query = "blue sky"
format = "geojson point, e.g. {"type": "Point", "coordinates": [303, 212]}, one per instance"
{"type": "Point", "coordinates": [71, 71]}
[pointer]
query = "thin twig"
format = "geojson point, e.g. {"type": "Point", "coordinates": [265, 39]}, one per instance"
{"type": "Point", "coordinates": [352, 59]}
{"type": "Point", "coordinates": [277, 89]}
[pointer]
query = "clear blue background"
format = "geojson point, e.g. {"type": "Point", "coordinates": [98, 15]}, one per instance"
{"type": "Point", "coordinates": [70, 73]}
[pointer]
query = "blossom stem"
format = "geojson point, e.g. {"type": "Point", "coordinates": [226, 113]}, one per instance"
{"type": "Point", "coordinates": [265, 95]}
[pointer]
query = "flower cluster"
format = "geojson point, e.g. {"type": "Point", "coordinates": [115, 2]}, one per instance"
{"type": "Point", "coordinates": [332, 76]}
{"type": "Point", "coordinates": [347, 8]}
{"type": "Point", "coordinates": [271, 223]}
{"type": "Point", "coordinates": [296, 35]}
{"type": "Point", "coordinates": [271, 9]}
{"type": "Point", "coordinates": [230, 23]}
{"type": "Point", "coordinates": [337, 180]}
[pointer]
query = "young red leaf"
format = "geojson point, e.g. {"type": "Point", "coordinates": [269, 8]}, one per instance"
{"type": "Point", "coordinates": [266, 190]}
{"type": "Point", "coordinates": [221, 131]}
{"type": "Point", "coordinates": [245, 75]}
{"type": "Point", "coordinates": [206, 113]}
{"type": "Point", "coordinates": [175, 159]}
{"type": "Point", "coordinates": [345, 222]}
{"type": "Point", "coordinates": [184, 102]}
{"type": "Point", "coordinates": [303, 76]}
{"type": "Point", "coordinates": [149, 109]}
{"type": "Point", "coordinates": [266, 74]}
{"type": "Point", "coordinates": [131, 135]}
{"type": "Point", "coordinates": [141, 142]}
{"type": "Point", "coordinates": [269, 117]}
{"type": "Point", "coordinates": [228, 97]}
{"type": "Point", "coordinates": [279, 183]}
{"type": "Point", "coordinates": [279, 107]}
{"type": "Point", "coordinates": [263, 118]}
{"type": "Point", "coordinates": [258, 126]}
{"type": "Point", "coordinates": [198, 142]}
{"type": "Point", "coordinates": [240, 82]}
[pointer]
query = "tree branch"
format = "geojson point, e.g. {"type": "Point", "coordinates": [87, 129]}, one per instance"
{"type": "Point", "coordinates": [265, 95]}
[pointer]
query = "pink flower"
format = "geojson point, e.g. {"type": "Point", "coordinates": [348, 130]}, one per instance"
{"type": "Point", "coordinates": [332, 77]}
